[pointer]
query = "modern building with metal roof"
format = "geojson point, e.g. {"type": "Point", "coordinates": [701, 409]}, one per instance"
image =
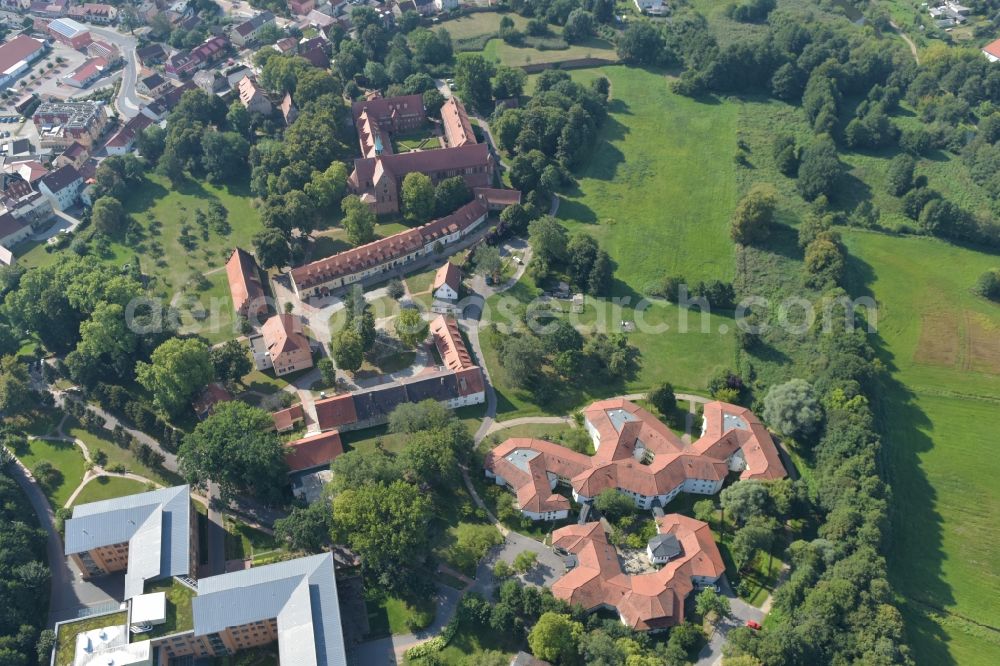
{"type": "Point", "coordinates": [149, 535]}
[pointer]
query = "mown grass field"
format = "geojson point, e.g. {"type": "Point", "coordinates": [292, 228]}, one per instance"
{"type": "Point", "coordinates": [108, 487]}
{"type": "Point", "coordinates": [656, 193]}
{"type": "Point", "coordinates": [942, 344]}
{"type": "Point", "coordinates": [65, 457]}
{"type": "Point", "coordinates": [499, 51]}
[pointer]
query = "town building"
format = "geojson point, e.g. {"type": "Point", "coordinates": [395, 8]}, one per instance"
{"type": "Point", "coordinates": [456, 124]}
{"type": "Point", "coordinates": [281, 345]}
{"type": "Point", "coordinates": [458, 383]}
{"type": "Point", "coordinates": [94, 12]}
{"type": "Point", "coordinates": [992, 51]}
{"type": "Point", "coordinates": [245, 286]}
{"type": "Point", "coordinates": [87, 73]}
{"type": "Point", "coordinates": [445, 5]}
{"type": "Point", "coordinates": [213, 394]}
{"type": "Point", "coordinates": [153, 85]}
{"type": "Point", "coordinates": [158, 109]}
{"type": "Point", "coordinates": [651, 601]}
{"type": "Point", "coordinates": [75, 154]}
{"type": "Point", "coordinates": [123, 140]}
{"type": "Point", "coordinates": [69, 32]}
{"type": "Point", "coordinates": [313, 451]}
{"type": "Point", "coordinates": [210, 81]}
{"type": "Point", "coordinates": [49, 8]}
{"type": "Point", "coordinates": [16, 56]}
{"type": "Point", "coordinates": [253, 97]}
{"type": "Point", "coordinates": [652, 7]}
{"type": "Point", "coordinates": [287, 419]}
{"type": "Point", "coordinates": [301, 7]}
{"type": "Point", "coordinates": [152, 54]}
{"type": "Point", "coordinates": [61, 123]}
{"type": "Point", "coordinates": [375, 259]}
{"type": "Point", "coordinates": [184, 64]}
{"type": "Point", "coordinates": [447, 282]}
{"type": "Point", "coordinates": [62, 187]}
{"type": "Point", "coordinates": [246, 33]}
{"type": "Point", "coordinates": [149, 536]}
{"type": "Point", "coordinates": [637, 455]}
{"type": "Point", "coordinates": [101, 49]}
{"type": "Point", "coordinates": [12, 230]}
{"type": "Point", "coordinates": [288, 109]}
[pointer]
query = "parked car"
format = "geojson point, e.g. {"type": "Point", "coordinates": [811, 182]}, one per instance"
{"type": "Point", "coordinates": [753, 624]}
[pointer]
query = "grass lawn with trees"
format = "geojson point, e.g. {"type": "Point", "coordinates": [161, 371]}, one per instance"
{"type": "Point", "coordinates": [497, 50]}
{"type": "Point", "coordinates": [109, 487]}
{"type": "Point", "coordinates": [65, 457]}
{"type": "Point", "coordinates": [943, 345]}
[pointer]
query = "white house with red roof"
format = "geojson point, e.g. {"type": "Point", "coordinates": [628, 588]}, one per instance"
{"type": "Point", "coordinates": [992, 50]}
{"type": "Point", "coordinates": [447, 282]}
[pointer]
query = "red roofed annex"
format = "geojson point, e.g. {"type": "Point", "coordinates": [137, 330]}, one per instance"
{"type": "Point", "coordinates": [638, 455]}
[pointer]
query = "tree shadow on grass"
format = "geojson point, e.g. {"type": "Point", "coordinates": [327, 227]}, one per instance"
{"type": "Point", "coordinates": [144, 197]}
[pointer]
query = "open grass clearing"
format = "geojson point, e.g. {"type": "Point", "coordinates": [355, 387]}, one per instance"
{"type": "Point", "coordinates": [117, 455]}
{"type": "Point", "coordinates": [109, 487]}
{"type": "Point", "coordinates": [499, 51]}
{"type": "Point", "coordinates": [938, 411]}
{"type": "Point", "coordinates": [65, 457]}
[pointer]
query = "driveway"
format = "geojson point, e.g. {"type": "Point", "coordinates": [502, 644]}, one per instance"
{"type": "Point", "coordinates": [128, 101]}
{"type": "Point", "coordinates": [549, 569]}
{"type": "Point", "coordinates": [711, 654]}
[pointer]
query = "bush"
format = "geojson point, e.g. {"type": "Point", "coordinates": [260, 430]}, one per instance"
{"type": "Point", "coordinates": [988, 285]}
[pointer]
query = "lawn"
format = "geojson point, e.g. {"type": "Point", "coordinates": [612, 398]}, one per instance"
{"type": "Point", "coordinates": [500, 51]}
{"type": "Point", "coordinates": [247, 543]}
{"type": "Point", "coordinates": [66, 638]}
{"type": "Point", "coordinates": [942, 344]}
{"type": "Point", "coordinates": [65, 457]}
{"type": "Point", "coordinates": [179, 612]}
{"type": "Point", "coordinates": [391, 615]}
{"type": "Point", "coordinates": [108, 487]}
{"type": "Point", "coordinates": [117, 455]}
{"type": "Point", "coordinates": [480, 23]}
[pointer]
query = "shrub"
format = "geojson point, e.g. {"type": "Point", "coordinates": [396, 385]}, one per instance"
{"type": "Point", "coordinates": [988, 285]}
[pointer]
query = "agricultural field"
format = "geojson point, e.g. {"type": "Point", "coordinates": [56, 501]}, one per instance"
{"type": "Point", "coordinates": [644, 196]}
{"type": "Point", "coordinates": [942, 345]}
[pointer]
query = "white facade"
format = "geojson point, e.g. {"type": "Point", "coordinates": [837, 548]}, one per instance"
{"type": "Point", "coordinates": [445, 5]}
{"type": "Point", "coordinates": [65, 197]}
{"type": "Point", "coordinates": [446, 293]}
{"type": "Point", "coordinates": [465, 400]}
{"type": "Point", "coordinates": [654, 7]}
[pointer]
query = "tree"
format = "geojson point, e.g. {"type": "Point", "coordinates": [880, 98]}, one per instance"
{"type": "Point", "coordinates": [410, 327]}
{"type": "Point", "coordinates": [386, 524]}
{"type": "Point", "coordinates": [108, 216]}
{"type": "Point", "coordinates": [348, 351]}
{"type": "Point", "coordinates": [709, 601]}
{"type": "Point", "coordinates": [271, 247]}
{"type": "Point", "coordinates": [508, 82]}
{"type": "Point", "coordinates": [236, 447]}
{"type": "Point", "coordinates": [238, 119]}
{"type": "Point", "coordinates": [754, 215]}
{"type": "Point", "coordinates": [487, 261]}
{"type": "Point", "coordinates": [820, 169]}
{"type": "Point", "coordinates": [417, 197]}
{"type": "Point", "coordinates": [824, 262]}
{"type": "Point", "coordinates": [525, 561]}
{"type": "Point", "coordinates": [745, 499]}
{"type": "Point", "coordinates": [555, 638]}
{"type": "Point", "coordinates": [473, 73]}
{"type": "Point", "coordinates": [306, 528]}
{"type": "Point", "coordinates": [757, 535]}
{"type": "Point", "coordinates": [614, 504]}
{"type": "Point", "coordinates": [359, 220]}
{"type": "Point", "coordinates": [704, 510]}
{"type": "Point", "coordinates": [180, 368]}
{"type": "Point", "coordinates": [793, 409]}
{"type": "Point", "coordinates": [327, 188]}
{"type": "Point", "coordinates": [411, 417]}
{"type": "Point", "coordinates": [988, 285]}
{"type": "Point", "coordinates": [225, 155]}
{"type": "Point", "coordinates": [230, 361]}
{"type": "Point", "coordinates": [579, 26]}
{"type": "Point", "coordinates": [640, 44]}
{"type": "Point", "coordinates": [450, 195]}
{"type": "Point", "coordinates": [16, 395]}
{"type": "Point", "coordinates": [548, 239]}
{"type": "Point", "coordinates": [662, 397]}
{"type": "Point", "coordinates": [521, 358]}
{"type": "Point", "coordinates": [899, 175]}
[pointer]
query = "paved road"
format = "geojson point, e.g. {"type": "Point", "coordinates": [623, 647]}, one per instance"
{"type": "Point", "coordinates": [128, 101]}
{"type": "Point", "coordinates": [68, 591]}
{"type": "Point", "coordinates": [711, 654]}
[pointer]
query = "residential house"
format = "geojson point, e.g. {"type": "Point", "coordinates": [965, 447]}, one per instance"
{"type": "Point", "coordinates": [87, 73]}
{"type": "Point", "coordinates": [315, 450]}
{"type": "Point", "coordinates": [152, 54]}
{"type": "Point", "coordinates": [455, 121]}
{"type": "Point", "coordinates": [124, 139]}
{"type": "Point", "coordinates": [153, 85]}
{"type": "Point", "coordinates": [445, 5]}
{"type": "Point", "coordinates": [16, 56]}
{"type": "Point", "coordinates": [992, 51]}
{"type": "Point", "coordinates": [210, 396]}
{"type": "Point", "coordinates": [281, 345]}
{"type": "Point", "coordinates": [183, 65]}
{"type": "Point", "coordinates": [75, 154]}
{"type": "Point", "coordinates": [245, 286]}
{"type": "Point", "coordinates": [92, 12]}
{"type": "Point", "coordinates": [69, 32]}
{"type": "Point", "coordinates": [637, 455]}
{"type": "Point", "coordinates": [62, 186]}
{"type": "Point", "coordinates": [319, 20]}
{"type": "Point", "coordinates": [210, 81]}
{"type": "Point", "coordinates": [401, 7]}
{"type": "Point", "coordinates": [246, 33]}
{"type": "Point", "coordinates": [301, 7]}
{"type": "Point", "coordinates": [287, 419]}
{"type": "Point", "coordinates": [288, 110]}
{"type": "Point", "coordinates": [651, 601]}
{"type": "Point", "coordinates": [49, 8]}
{"type": "Point", "coordinates": [12, 230]}
{"type": "Point", "coordinates": [61, 123]}
{"type": "Point", "coordinates": [447, 282]}
{"type": "Point", "coordinates": [286, 45]}
{"type": "Point", "coordinates": [253, 97]}
{"type": "Point", "coordinates": [100, 49]}
{"type": "Point", "coordinates": [652, 7]}
{"type": "Point", "coordinates": [150, 536]}
{"type": "Point", "coordinates": [425, 7]}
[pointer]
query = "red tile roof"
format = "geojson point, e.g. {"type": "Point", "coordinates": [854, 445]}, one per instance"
{"type": "Point", "coordinates": [17, 49]}
{"type": "Point", "coordinates": [335, 411]}
{"type": "Point", "coordinates": [449, 274]}
{"type": "Point", "coordinates": [622, 427]}
{"type": "Point", "coordinates": [286, 418]}
{"type": "Point", "coordinates": [316, 450]}
{"type": "Point", "coordinates": [457, 128]}
{"type": "Point", "coordinates": [645, 601]}
{"type": "Point", "coordinates": [993, 48]}
{"type": "Point", "coordinates": [212, 395]}
{"type": "Point", "coordinates": [282, 334]}
{"type": "Point", "coordinates": [449, 343]}
{"type": "Point", "coordinates": [244, 282]}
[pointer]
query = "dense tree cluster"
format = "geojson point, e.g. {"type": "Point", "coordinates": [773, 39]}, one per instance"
{"type": "Point", "coordinates": [24, 592]}
{"type": "Point", "coordinates": [587, 267]}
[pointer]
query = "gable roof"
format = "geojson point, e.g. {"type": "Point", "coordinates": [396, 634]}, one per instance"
{"type": "Point", "coordinates": [449, 343]}
{"type": "Point", "coordinates": [993, 48]}
{"type": "Point", "coordinates": [449, 274]}
{"type": "Point", "coordinates": [335, 411]}
{"type": "Point", "coordinates": [61, 178]}
{"type": "Point", "coordinates": [315, 450]}
{"type": "Point", "coordinates": [254, 22]}
{"type": "Point", "coordinates": [244, 280]}
{"type": "Point", "coordinates": [284, 419]}
{"type": "Point", "coordinates": [283, 334]}
{"type": "Point", "coordinates": [300, 595]}
{"type": "Point", "coordinates": [155, 524]}
{"type": "Point", "coordinates": [457, 128]}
